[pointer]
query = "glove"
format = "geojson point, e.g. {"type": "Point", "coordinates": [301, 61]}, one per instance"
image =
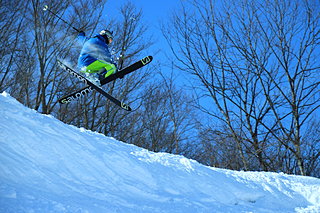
{"type": "Point", "coordinates": [115, 64]}
{"type": "Point", "coordinates": [81, 33]}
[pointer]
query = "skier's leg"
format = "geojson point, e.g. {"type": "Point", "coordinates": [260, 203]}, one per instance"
{"type": "Point", "coordinates": [101, 67]}
{"type": "Point", "coordinates": [92, 71]}
{"type": "Point", "coordinates": [95, 66]}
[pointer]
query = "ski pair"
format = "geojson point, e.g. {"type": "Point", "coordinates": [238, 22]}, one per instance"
{"type": "Point", "coordinates": [120, 74]}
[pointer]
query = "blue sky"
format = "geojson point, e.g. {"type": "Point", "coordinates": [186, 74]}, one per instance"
{"type": "Point", "coordinates": [154, 12]}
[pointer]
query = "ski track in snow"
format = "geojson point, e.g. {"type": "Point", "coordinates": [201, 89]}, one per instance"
{"type": "Point", "coordinates": [48, 166]}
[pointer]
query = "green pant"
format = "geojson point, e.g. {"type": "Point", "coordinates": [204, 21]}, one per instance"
{"type": "Point", "coordinates": [96, 66]}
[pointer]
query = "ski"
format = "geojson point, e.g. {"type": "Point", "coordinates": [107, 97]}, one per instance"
{"type": "Point", "coordinates": [92, 86]}
{"type": "Point", "coordinates": [120, 74]}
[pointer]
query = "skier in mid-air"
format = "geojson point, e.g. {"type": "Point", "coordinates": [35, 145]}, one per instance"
{"type": "Point", "coordinates": [95, 58]}
{"type": "Point", "coordinates": [96, 62]}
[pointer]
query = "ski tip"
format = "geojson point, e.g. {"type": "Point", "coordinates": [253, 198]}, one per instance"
{"type": "Point", "coordinates": [125, 107]}
{"type": "Point", "coordinates": [45, 7]}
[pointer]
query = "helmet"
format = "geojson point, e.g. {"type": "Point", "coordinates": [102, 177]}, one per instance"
{"type": "Point", "coordinates": [107, 35]}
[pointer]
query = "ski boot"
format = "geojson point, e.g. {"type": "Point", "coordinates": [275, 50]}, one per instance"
{"type": "Point", "coordinates": [94, 78]}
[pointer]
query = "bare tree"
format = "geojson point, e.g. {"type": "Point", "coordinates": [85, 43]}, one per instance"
{"type": "Point", "coordinates": [256, 62]}
{"type": "Point", "coordinates": [94, 111]}
{"type": "Point", "coordinates": [164, 121]}
{"type": "Point", "coordinates": [35, 41]}
{"type": "Point", "coordinates": [12, 20]}
{"type": "Point", "coordinates": [180, 111]}
{"type": "Point", "coordinates": [51, 45]}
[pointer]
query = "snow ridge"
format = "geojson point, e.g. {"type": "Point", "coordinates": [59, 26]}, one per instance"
{"type": "Point", "coordinates": [48, 166]}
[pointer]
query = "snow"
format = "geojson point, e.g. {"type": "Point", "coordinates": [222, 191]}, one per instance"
{"type": "Point", "coordinates": [48, 166]}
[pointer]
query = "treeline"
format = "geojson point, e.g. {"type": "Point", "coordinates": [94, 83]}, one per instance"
{"type": "Point", "coordinates": [252, 69]}
{"type": "Point", "coordinates": [257, 65]}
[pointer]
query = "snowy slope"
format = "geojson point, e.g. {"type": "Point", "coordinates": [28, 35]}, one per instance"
{"type": "Point", "coordinates": [48, 166]}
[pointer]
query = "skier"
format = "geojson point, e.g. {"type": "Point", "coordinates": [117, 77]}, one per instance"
{"type": "Point", "coordinates": [95, 58]}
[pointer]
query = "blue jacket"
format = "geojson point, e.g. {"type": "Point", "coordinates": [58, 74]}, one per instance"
{"type": "Point", "coordinates": [93, 49]}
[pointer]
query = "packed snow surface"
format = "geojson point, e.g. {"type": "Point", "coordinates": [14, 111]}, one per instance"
{"type": "Point", "coordinates": [48, 166]}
